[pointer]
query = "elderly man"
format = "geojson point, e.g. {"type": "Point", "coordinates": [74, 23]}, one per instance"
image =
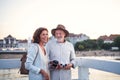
{"type": "Point", "coordinates": [61, 53]}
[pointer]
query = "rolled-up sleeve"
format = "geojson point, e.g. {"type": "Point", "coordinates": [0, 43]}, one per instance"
{"type": "Point", "coordinates": [31, 54]}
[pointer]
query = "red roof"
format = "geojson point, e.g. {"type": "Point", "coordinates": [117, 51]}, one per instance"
{"type": "Point", "coordinates": [111, 37]}
{"type": "Point", "coordinates": [104, 37]}
{"type": "Point", "coordinates": [23, 41]}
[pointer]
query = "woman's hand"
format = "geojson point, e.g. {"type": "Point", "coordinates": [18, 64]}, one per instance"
{"type": "Point", "coordinates": [45, 74]}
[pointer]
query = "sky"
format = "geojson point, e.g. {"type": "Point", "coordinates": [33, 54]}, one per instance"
{"type": "Point", "coordinates": [21, 18]}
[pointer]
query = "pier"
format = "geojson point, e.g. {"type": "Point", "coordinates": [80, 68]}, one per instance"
{"type": "Point", "coordinates": [84, 64]}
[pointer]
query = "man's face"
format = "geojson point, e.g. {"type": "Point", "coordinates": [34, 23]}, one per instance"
{"type": "Point", "coordinates": [60, 35]}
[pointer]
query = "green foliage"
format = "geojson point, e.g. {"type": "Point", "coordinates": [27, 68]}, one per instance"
{"type": "Point", "coordinates": [81, 47]}
{"type": "Point", "coordinates": [100, 42]}
{"type": "Point", "coordinates": [86, 45]}
{"type": "Point", "coordinates": [106, 46]}
{"type": "Point", "coordinates": [96, 44]}
{"type": "Point", "coordinates": [77, 46]}
{"type": "Point", "coordinates": [117, 42]}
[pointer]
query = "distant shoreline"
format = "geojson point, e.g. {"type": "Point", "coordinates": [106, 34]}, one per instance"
{"type": "Point", "coordinates": [103, 54]}
{"type": "Point", "coordinates": [94, 53]}
{"type": "Point", "coordinates": [97, 53]}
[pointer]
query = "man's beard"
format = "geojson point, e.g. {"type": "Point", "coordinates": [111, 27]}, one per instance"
{"type": "Point", "coordinates": [60, 39]}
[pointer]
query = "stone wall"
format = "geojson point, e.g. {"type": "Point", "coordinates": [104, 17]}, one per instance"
{"type": "Point", "coordinates": [97, 53]}
{"type": "Point", "coordinates": [10, 56]}
{"type": "Point", "coordinates": [78, 54]}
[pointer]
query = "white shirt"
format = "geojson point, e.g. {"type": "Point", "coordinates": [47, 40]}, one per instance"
{"type": "Point", "coordinates": [65, 54]}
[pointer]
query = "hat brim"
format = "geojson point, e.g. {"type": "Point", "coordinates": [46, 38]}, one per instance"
{"type": "Point", "coordinates": [66, 32]}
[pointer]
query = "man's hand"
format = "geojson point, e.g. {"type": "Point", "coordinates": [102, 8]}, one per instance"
{"type": "Point", "coordinates": [68, 66]}
{"type": "Point", "coordinates": [59, 66]}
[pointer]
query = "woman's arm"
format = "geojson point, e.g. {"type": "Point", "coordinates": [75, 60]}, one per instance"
{"type": "Point", "coordinates": [31, 54]}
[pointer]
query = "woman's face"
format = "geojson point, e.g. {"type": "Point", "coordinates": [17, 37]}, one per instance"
{"type": "Point", "coordinates": [44, 36]}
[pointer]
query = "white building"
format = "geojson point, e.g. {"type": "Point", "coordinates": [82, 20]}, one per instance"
{"type": "Point", "coordinates": [23, 44]}
{"type": "Point", "coordinates": [108, 41]}
{"type": "Point", "coordinates": [10, 42]}
{"type": "Point", "coordinates": [73, 38]}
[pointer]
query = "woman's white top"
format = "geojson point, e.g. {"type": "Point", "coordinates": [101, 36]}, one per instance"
{"type": "Point", "coordinates": [41, 62]}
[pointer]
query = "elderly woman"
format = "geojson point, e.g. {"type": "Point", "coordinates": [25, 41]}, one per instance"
{"type": "Point", "coordinates": [37, 62]}
{"type": "Point", "coordinates": [61, 54]}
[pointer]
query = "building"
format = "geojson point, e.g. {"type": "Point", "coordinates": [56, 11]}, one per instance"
{"type": "Point", "coordinates": [73, 38]}
{"type": "Point", "coordinates": [109, 39]}
{"type": "Point", "coordinates": [11, 42]}
{"type": "Point", "coordinates": [113, 36]}
{"type": "Point", "coordinates": [22, 44]}
{"type": "Point", "coordinates": [1, 43]}
{"type": "Point", "coordinates": [8, 42]}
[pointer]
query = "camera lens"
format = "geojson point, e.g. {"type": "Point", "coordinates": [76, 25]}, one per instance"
{"type": "Point", "coordinates": [55, 63]}
{"type": "Point", "coordinates": [64, 65]}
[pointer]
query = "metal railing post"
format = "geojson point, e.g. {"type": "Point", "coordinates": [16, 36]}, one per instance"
{"type": "Point", "coordinates": [83, 73]}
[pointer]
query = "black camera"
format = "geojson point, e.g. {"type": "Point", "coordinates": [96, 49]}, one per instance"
{"type": "Point", "coordinates": [63, 65]}
{"type": "Point", "coordinates": [55, 63]}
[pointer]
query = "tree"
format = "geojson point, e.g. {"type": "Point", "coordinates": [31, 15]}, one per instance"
{"type": "Point", "coordinates": [100, 42]}
{"type": "Point", "coordinates": [117, 42]}
{"type": "Point", "coordinates": [106, 46]}
{"type": "Point", "coordinates": [90, 44]}
{"type": "Point", "coordinates": [86, 45]}
{"type": "Point", "coordinates": [79, 46]}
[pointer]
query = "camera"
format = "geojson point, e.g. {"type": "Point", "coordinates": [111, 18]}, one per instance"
{"type": "Point", "coordinates": [63, 65]}
{"type": "Point", "coordinates": [55, 63]}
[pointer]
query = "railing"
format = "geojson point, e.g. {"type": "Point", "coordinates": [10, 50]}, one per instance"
{"type": "Point", "coordinates": [104, 65]}
{"type": "Point", "coordinates": [83, 63]}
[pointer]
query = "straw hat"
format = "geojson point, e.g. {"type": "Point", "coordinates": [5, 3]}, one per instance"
{"type": "Point", "coordinates": [60, 27]}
